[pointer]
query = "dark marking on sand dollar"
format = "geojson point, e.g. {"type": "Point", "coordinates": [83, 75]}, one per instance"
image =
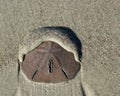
{"type": "Point", "coordinates": [50, 63]}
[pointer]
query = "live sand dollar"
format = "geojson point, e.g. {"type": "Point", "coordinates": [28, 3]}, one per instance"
{"type": "Point", "coordinates": [48, 55]}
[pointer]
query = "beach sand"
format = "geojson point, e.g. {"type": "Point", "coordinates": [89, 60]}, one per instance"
{"type": "Point", "coordinates": [95, 22]}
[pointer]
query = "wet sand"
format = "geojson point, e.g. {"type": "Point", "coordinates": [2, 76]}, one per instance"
{"type": "Point", "coordinates": [95, 22]}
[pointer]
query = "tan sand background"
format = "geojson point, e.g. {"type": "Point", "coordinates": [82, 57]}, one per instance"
{"type": "Point", "coordinates": [96, 23]}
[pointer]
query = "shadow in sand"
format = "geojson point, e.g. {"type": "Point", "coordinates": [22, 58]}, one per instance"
{"type": "Point", "coordinates": [73, 37]}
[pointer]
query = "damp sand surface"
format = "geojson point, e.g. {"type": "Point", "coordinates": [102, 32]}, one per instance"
{"type": "Point", "coordinates": [97, 25]}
